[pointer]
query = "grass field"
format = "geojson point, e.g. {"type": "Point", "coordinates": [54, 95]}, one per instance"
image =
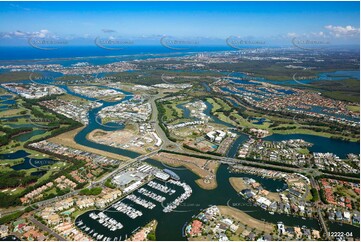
{"type": "Point", "coordinates": [311, 132]}
{"type": "Point", "coordinates": [17, 76]}
{"type": "Point", "coordinates": [354, 108]}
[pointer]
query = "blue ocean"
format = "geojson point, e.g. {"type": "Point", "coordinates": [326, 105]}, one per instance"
{"type": "Point", "coordinates": [94, 54]}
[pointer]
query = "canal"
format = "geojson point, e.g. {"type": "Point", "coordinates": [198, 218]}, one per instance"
{"type": "Point", "coordinates": [170, 225]}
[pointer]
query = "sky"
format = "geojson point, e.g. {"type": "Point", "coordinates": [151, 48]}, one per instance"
{"type": "Point", "coordinates": [209, 22]}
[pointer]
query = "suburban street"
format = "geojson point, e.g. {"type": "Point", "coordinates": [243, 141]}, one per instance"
{"type": "Point", "coordinates": [47, 229]}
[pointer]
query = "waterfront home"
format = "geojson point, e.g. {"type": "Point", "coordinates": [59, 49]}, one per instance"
{"type": "Point", "coordinates": [331, 215]}
{"type": "Point", "coordinates": [247, 193]}
{"type": "Point", "coordinates": [273, 206]}
{"type": "Point", "coordinates": [263, 201]}
{"type": "Point", "coordinates": [298, 232]}
{"type": "Point", "coordinates": [212, 211]}
{"type": "Point", "coordinates": [316, 234]}
{"type": "Point", "coordinates": [202, 217]}
{"type": "Point", "coordinates": [196, 228]}
{"type": "Point", "coordinates": [347, 216]}
{"type": "Point", "coordinates": [306, 232]}
{"type": "Point", "coordinates": [84, 203]}
{"type": "Point", "coordinates": [290, 232]}
{"type": "Point", "coordinates": [287, 208]}
{"type": "Point", "coordinates": [356, 218]}
{"type": "Point", "coordinates": [281, 228]}
{"type": "Point", "coordinates": [339, 215]}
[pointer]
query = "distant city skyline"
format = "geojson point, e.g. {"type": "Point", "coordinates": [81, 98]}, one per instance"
{"type": "Point", "coordinates": [275, 23]}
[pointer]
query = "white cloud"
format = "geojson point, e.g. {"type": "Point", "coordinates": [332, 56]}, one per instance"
{"type": "Point", "coordinates": [291, 35]}
{"type": "Point", "coordinates": [339, 31]}
{"type": "Point", "coordinates": [43, 33]}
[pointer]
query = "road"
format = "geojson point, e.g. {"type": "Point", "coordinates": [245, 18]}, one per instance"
{"type": "Point", "coordinates": [323, 224]}
{"type": "Point", "coordinates": [45, 228]}
{"type": "Point", "coordinates": [170, 145]}
{"type": "Point", "coordinates": [155, 122]}
{"type": "Point", "coordinates": [96, 183]}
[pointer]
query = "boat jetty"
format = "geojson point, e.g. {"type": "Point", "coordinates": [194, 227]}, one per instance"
{"type": "Point", "coordinates": [140, 201]}
{"type": "Point", "coordinates": [106, 221]}
{"type": "Point", "coordinates": [187, 193]}
{"type": "Point", "coordinates": [127, 210]}
{"type": "Point", "coordinates": [152, 195]}
{"type": "Point", "coordinates": [161, 188]}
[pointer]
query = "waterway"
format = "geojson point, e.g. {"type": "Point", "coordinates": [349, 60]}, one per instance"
{"type": "Point", "coordinates": [28, 162]}
{"type": "Point", "coordinates": [321, 144]}
{"type": "Point", "coordinates": [33, 163]}
{"type": "Point", "coordinates": [324, 76]}
{"type": "Point", "coordinates": [26, 136]}
{"type": "Point", "coordinates": [170, 225]}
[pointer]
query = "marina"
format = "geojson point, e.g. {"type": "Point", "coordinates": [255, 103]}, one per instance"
{"type": "Point", "coordinates": [132, 211]}
{"type": "Point", "coordinates": [187, 193]}
{"type": "Point", "coordinates": [170, 222]}
{"type": "Point", "coordinates": [128, 210]}
{"type": "Point", "coordinates": [142, 202]}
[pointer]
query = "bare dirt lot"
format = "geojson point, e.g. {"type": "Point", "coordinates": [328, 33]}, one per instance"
{"type": "Point", "coordinates": [67, 139]}
{"type": "Point", "coordinates": [125, 139]}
